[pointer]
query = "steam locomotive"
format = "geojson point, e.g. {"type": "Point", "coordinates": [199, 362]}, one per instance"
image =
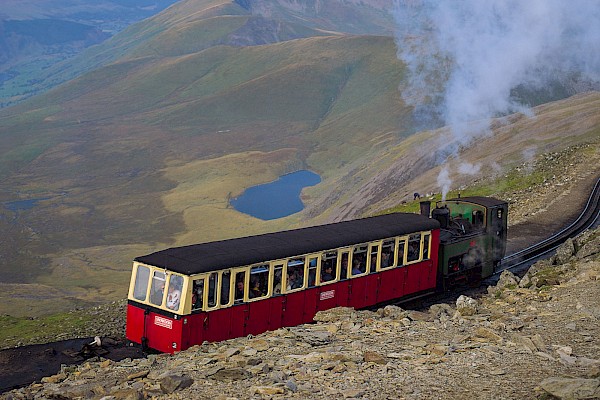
{"type": "Point", "coordinates": [183, 296]}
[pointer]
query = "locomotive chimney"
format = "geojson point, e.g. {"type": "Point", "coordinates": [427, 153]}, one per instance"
{"type": "Point", "coordinates": [442, 215]}
{"type": "Point", "coordinates": [425, 208]}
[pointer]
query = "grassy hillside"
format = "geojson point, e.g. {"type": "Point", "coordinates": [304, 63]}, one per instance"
{"type": "Point", "coordinates": [144, 152]}
{"type": "Point", "coordinates": [190, 26]}
{"type": "Point", "coordinates": [108, 154]}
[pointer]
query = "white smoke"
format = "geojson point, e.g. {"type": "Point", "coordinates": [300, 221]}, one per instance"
{"type": "Point", "coordinates": [467, 168]}
{"type": "Point", "coordinates": [464, 57]}
{"type": "Point", "coordinates": [444, 181]}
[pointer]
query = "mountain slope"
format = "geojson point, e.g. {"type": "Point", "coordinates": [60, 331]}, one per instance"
{"type": "Point", "coordinates": [193, 25]}
{"type": "Point", "coordinates": [103, 153]}
{"type": "Point", "coordinates": [145, 150]}
{"type": "Point", "coordinates": [36, 35]}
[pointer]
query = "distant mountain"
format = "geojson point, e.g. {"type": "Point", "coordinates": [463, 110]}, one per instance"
{"type": "Point", "coordinates": [184, 29]}
{"type": "Point", "coordinates": [36, 34]}
{"type": "Point", "coordinates": [29, 38]}
{"type": "Point", "coordinates": [108, 15]}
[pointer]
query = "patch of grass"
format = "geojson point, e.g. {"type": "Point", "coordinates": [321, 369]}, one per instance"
{"type": "Point", "coordinates": [15, 330]}
{"type": "Point", "coordinates": [524, 177]}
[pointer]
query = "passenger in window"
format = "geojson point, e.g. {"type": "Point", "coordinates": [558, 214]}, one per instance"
{"type": "Point", "coordinates": [385, 258]}
{"type": "Point", "coordinates": [173, 297]}
{"type": "Point", "coordinates": [255, 288]}
{"type": "Point", "coordinates": [277, 282]}
{"type": "Point", "coordinates": [374, 263]}
{"type": "Point", "coordinates": [312, 276]}
{"type": "Point", "coordinates": [327, 274]}
{"type": "Point", "coordinates": [239, 291]}
{"type": "Point", "coordinates": [294, 280]}
{"type": "Point", "coordinates": [157, 295]}
{"type": "Point", "coordinates": [263, 284]}
{"type": "Point", "coordinates": [413, 251]}
{"type": "Point", "coordinates": [197, 295]}
{"type": "Point", "coordinates": [362, 262]}
{"type": "Point", "coordinates": [356, 267]}
{"type": "Point", "coordinates": [344, 265]}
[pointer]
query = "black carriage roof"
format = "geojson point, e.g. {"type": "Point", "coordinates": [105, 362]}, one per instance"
{"type": "Point", "coordinates": [211, 256]}
{"type": "Point", "coordinates": [480, 200]}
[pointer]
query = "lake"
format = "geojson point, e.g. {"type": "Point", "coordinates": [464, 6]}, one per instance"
{"type": "Point", "coordinates": [19, 205]}
{"type": "Point", "coordinates": [276, 199]}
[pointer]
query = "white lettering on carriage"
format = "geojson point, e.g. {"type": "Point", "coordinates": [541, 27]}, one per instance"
{"type": "Point", "coordinates": [330, 294]}
{"type": "Point", "coordinates": [164, 322]}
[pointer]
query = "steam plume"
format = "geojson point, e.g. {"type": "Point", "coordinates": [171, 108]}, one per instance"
{"type": "Point", "coordinates": [466, 57]}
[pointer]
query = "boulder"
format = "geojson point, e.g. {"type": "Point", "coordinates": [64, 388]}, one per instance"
{"type": "Point", "coordinates": [466, 306]}
{"type": "Point", "coordinates": [572, 388]}
{"type": "Point", "coordinates": [507, 280]}
{"type": "Point", "coordinates": [334, 314]}
{"type": "Point", "coordinates": [564, 252]}
{"type": "Point", "coordinates": [589, 248]}
{"type": "Point", "coordinates": [170, 383]}
{"type": "Point", "coordinates": [394, 312]}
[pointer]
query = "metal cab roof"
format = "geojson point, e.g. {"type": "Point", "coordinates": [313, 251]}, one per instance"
{"type": "Point", "coordinates": [487, 202]}
{"type": "Point", "coordinates": [211, 256]}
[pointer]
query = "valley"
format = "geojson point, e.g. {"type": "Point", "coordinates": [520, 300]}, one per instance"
{"type": "Point", "coordinates": [176, 117]}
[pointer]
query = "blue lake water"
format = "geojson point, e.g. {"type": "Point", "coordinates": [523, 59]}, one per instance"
{"type": "Point", "coordinates": [276, 199]}
{"type": "Point", "coordinates": [18, 205]}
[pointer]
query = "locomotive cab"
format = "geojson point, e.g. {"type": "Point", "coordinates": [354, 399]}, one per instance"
{"type": "Point", "coordinates": [472, 237]}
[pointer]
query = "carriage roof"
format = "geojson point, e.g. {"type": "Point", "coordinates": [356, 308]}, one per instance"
{"type": "Point", "coordinates": [211, 256]}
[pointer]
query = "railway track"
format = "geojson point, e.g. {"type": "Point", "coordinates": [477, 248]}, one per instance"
{"type": "Point", "coordinates": [516, 262]}
{"type": "Point", "coordinates": [588, 218]}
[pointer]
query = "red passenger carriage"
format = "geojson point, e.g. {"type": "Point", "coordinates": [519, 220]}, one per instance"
{"type": "Point", "coordinates": [183, 296]}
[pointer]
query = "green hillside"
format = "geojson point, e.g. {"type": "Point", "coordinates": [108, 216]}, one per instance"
{"type": "Point", "coordinates": [98, 150]}
{"type": "Point", "coordinates": [184, 111]}
{"type": "Point", "coordinates": [190, 26]}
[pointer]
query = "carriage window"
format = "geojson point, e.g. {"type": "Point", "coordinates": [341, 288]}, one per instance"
{"type": "Point", "coordinates": [359, 260]}
{"type": "Point", "coordinates": [328, 267]}
{"type": "Point", "coordinates": [157, 290]}
{"type": "Point", "coordinates": [387, 254]}
{"type": "Point", "coordinates": [212, 289]}
{"type": "Point", "coordinates": [259, 281]}
{"type": "Point", "coordinates": [240, 286]}
{"type": "Point", "coordinates": [141, 283]}
{"type": "Point", "coordinates": [277, 278]}
{"type": "Point", "coordinates": [174, 292]}
{"type": "Point", "coordinates": [344, 273]}
{"type": "Point", "coordinates": [426, 238]}
{"type": "Point", "coordinates": [312, 271]}
{"type": "Point", "coordinates": [197, 294]}
{"type": "Point", "coordinates": [295, 274]}
{"type": "Point", "coordinates": [414, 247]}
{"type": "Point", "coordinates": [401, 250]}
{"type": "Point", "coordinates": [373, 258]}
{"type": "Point", "coordinates": [225, 287]}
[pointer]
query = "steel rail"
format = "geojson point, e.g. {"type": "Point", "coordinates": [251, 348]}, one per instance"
{"type": "Point", "coordinates": [587, 218]}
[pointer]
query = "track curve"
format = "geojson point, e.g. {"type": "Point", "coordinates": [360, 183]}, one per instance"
{"type": "Point", "coordinates": [588, 217]}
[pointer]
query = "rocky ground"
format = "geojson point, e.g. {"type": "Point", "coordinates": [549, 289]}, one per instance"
{"type": "Point", "coordinates": [527, 338]}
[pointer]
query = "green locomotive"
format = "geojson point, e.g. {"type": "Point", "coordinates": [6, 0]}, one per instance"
{"type": "Point", "coordinates": [473, 233]}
